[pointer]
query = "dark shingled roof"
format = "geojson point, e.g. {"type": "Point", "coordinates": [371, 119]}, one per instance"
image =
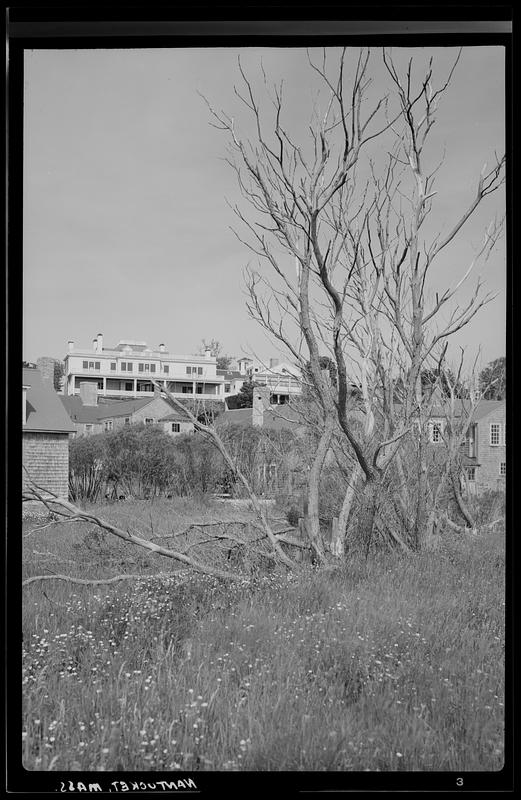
{"type": "Point", "coordinates": [231, 373]}
{"type": "Point", "coordinates": [80, 413]}
{"type": "Point", "coordinates": [275, 418]}
{"type": "Point", "coordinates": [44, 412]}
{"type": "Point", "coordinates": [125, 408]}
{"type": "Point", "coordinates": [175, 416]}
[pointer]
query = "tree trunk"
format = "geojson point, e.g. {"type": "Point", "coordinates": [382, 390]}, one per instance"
{"type": "Point", "coordinates": [372, 489]}
{"type": "Point", "coordinates": [314, 487]}
{"type": "Point", "coordinates": [339, 539]}
{"type": "Point", "coordinates": [421, 521]}
{"type": "Point", "coordinates": [465, 513]}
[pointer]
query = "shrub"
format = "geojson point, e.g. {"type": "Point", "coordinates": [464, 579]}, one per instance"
{"type": "Point", "coordinates": [87, 472]}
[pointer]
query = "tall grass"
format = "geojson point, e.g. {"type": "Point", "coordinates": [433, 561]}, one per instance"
{"type": "Point", "coordinates": [393, 664]}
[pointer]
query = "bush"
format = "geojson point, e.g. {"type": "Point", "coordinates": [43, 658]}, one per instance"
{"type": "Point", "coordinates": [87, 471]}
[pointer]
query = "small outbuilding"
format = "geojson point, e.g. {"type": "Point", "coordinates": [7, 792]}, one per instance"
{"type": "Point", "coordinates": [45, 435]}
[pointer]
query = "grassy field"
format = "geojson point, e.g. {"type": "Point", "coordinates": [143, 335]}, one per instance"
{"type": "Point", "coordinates": [393, 664]}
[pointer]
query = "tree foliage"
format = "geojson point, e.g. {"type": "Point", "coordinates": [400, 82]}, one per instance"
{"type": "Point", "coordinates": [59, 372]}
{"type": "Point", "coordinates": [215, 346]}
{"type": "Point", "coordinates": [244, 399]}
{"type": "Point", "coordinates": [492, 379]}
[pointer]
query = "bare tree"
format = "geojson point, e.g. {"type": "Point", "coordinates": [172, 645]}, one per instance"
{"type": "Point", "coordinates": [342, 231]}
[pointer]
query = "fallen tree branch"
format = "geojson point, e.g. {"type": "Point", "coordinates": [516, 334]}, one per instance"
{"type": "Point", "coordinates": [98, 582]}
{"type": "Point", "coordinates": [280, 535]}
{"type": "Point", "coordinates": [66, 509]}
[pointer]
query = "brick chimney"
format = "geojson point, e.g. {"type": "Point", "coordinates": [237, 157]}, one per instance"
{"type": "Point", "coordinates": [46, 367]}
{"type": "Point", "coordinates": [261, 402]}
{"type": "Point", "coordinates": [207, 352]}
{"type": "Point", "coordinates": [95, 345]}
{"type": "Point", "coordinates": [70, 345]}
{"type": "Point", "coordinates": [100, 343]}
{"type": "Point", "coordinates": [162, 348]}
{"type": "Point", "coordinates": [273, 362]}
{"type": "Point", "coordinates": [89, 393]}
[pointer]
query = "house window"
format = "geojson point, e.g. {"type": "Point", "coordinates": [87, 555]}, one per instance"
{"type": "Point", "coordinates": [495, 434]}
{"type": "Point", "coordinates": [165, 370]}
{"type": "Point", "coordinates": [503, 468]}
{"type": "Point", "coordinates": [189, 370]}
{"type": "Point", "coordinates": [129, 366]}
{"type": "Point", "coordinates": [108, 425]}
{"type": "Point", "coordinates": [85, 365]}
{"type": "Point", "coordinates": [226, 387]}
{"type": "Point", "coordinates": [187, 390]}
{"type": "Point", "coordinates": [127, 420]}
{"type": "Point", "coordinates": [436, 432]}
{"type": "Point", "coordinates": [141, 367]}
{"type": "Point", "coordinates": [128, 386]}
{"type": "Point", "coordinates": [97, 365]}
{"type": "Point", "coordinates": [123, 366]}
{"type": "Point", "coordinates": [91, 364]}
{"type": "Point", "coordinates": [149, 421]}
{"type": "Point", "coordinates": [199, 370]}
{"type": "Point", "coordinates": [199, 389]}
{"type": "Point", "coordinates": [152, 368]}
{"type": "Point", "coordinates": [176, 427]}
{"type": "Point", "coordinates": [87, 429]}
{"type": "Point", "coordinates": [113, 366]}
{"type": "Point", "coordinates": [471, 473]}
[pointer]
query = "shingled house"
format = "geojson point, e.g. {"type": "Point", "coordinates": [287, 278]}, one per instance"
{"type": "Point", "coordinates": [90, 414]}
{"type": "Point", "coordinates": [45, 435]}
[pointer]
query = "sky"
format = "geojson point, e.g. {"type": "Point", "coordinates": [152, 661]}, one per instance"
{"type": "Point", "coordinates": [127, 194]}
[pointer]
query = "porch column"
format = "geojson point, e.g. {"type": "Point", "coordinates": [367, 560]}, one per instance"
{"type": "Point", "coordinates": [135, 387]}
{"type": "Point", "coordinates": [104, 386]}
{"type": "Point", "coordinates": [193, 388]}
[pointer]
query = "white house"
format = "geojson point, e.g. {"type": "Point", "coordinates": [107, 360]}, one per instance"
{"type": "Point", "coordinates": [282, 379]}
{"type": "Point", "coordinates": [126, 371]}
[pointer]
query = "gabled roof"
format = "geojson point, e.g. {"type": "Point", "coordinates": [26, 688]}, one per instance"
{"type": "Point", "coordinates": [124, 408]}
{"type": "Point", "coordinates": [80, 413]}
{"type": "Point", "coordinates": [44, 412]}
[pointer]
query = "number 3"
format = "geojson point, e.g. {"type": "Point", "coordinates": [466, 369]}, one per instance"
{"type": "Point", "coordinates": [459, 781]}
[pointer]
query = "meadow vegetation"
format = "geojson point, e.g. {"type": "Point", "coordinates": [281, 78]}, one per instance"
{"type": "Point", "coordinates": [386, 663]}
